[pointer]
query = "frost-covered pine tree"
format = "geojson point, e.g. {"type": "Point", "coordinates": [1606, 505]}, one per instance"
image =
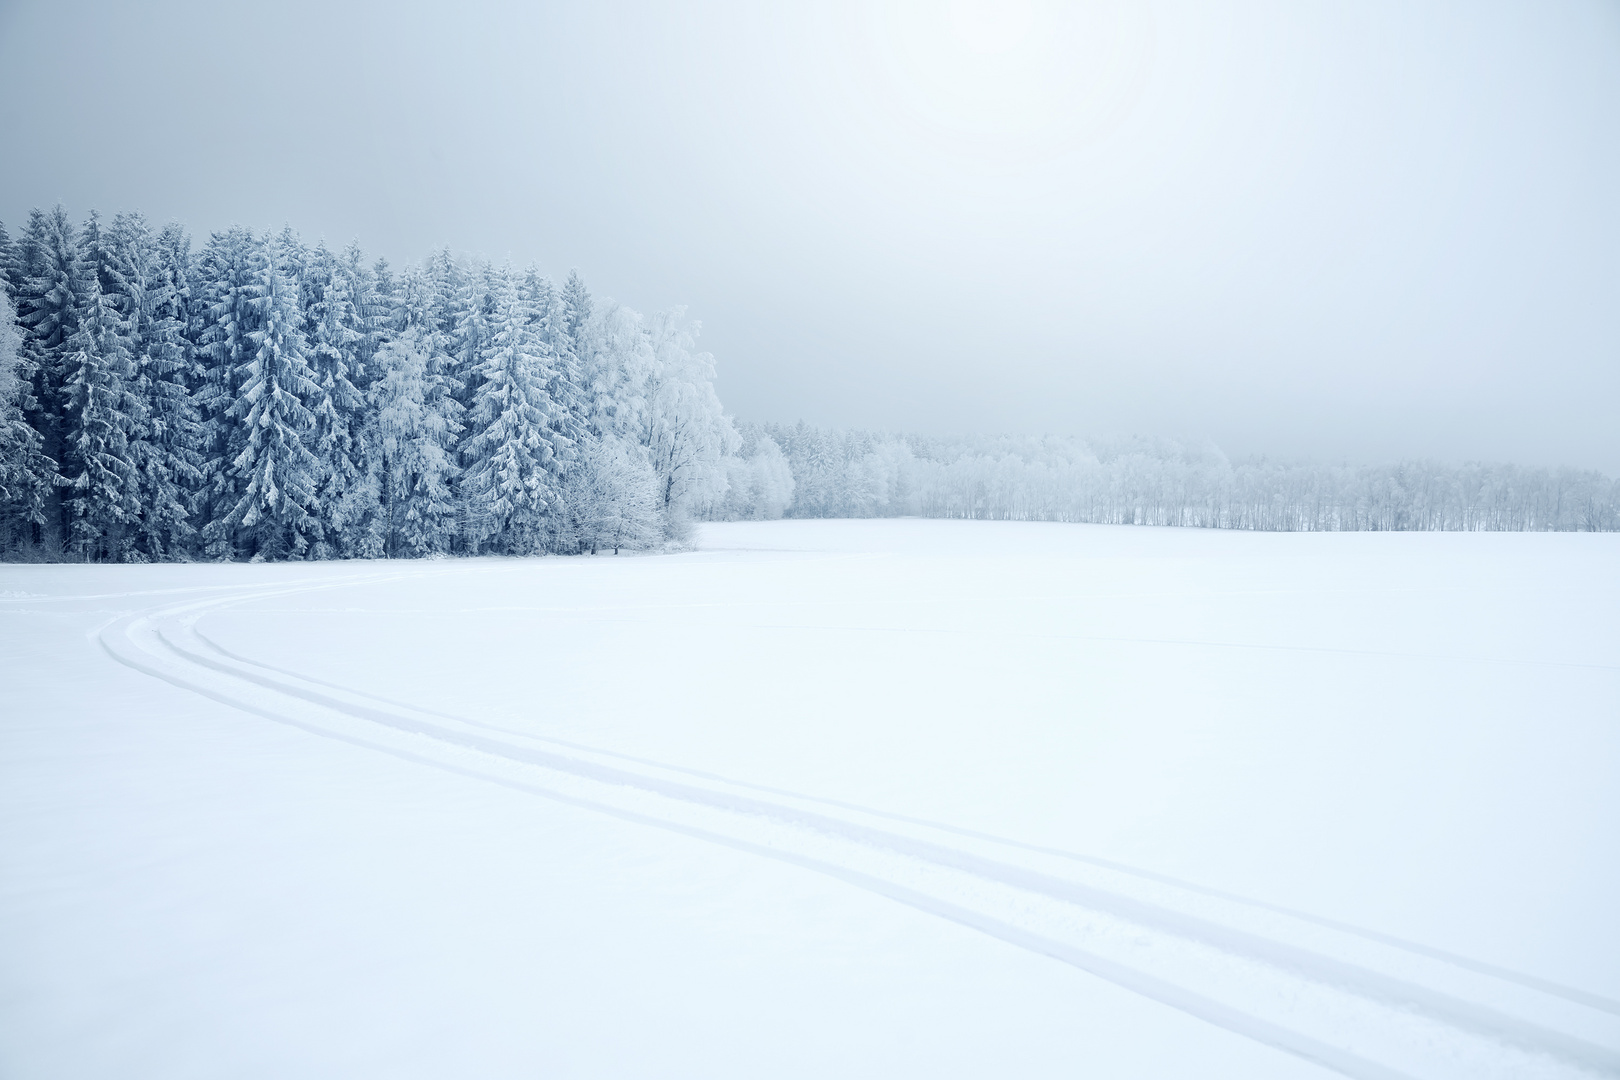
{"type": "Point", "coordinates": [516, 448]}
{"type": "Point", "coordinates": [367, 309]}
{"type": "Point", "coordinates": [414, 425]}
{"type": "Point", "coordinates": [578, 305]}
{"type": "Point", "coordinates": [551, 319]}
{"type": "Point", "coordinates": [228, 284]}
{"type": "Point", "coordinates": [11, 265]}
{"type": "Point", "coordinates": [275, 473]}
{"type": "Point", "coordinates": [52, 291]}
{"type": "Point", "coordinates": [48, 307]}
{"type": "Point", "coordinates": [371, 290]}
{"type": "Point", "coordinates": [25, 473]}
{"type": "Point", "coordinates": [617, 364]}
{"type": "Point", "coordinates": [449, 291]}
{"type": "Point", "coordinates": [383, 297]}
{"type": "Point", "coordinates": [104, 419]}
{"type": "Point", "coordinates": [149, 276]}
{"type": "Point", "coordinates": [337, 332]}
{"type": "Point", "coordinates": [564, 384]}
{"type": "Point", "coordinates": [287, 250]}
{"type": "Point", "coordinates": [477, 310]}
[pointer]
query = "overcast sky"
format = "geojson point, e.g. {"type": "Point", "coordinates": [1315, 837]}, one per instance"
{"type": "Point", "coordinates": [1352, 230]}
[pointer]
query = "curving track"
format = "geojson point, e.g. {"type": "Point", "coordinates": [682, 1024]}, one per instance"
{"type": "Point", "coordinates": [1363, 1005]}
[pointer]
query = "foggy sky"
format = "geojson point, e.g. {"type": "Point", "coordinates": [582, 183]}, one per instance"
{"type": "Point", "coordinates": [1353, 230]}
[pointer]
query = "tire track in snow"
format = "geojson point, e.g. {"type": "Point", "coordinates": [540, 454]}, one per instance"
{"type": "Point", "coordinates": [1364, 1008]}
{"type": "Point", "coordinates": [1572, 994]}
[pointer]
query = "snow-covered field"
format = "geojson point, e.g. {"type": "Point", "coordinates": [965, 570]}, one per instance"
{"type": "Point", "coordinates": [882, 799]}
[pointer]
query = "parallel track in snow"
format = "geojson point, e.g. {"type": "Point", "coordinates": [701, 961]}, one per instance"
{"type": "Point", "coordinates": [1362, 1005]}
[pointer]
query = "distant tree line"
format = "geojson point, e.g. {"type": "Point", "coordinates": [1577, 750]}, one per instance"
{"type": "Point", "coordinates": [260, 398]}
{"type": "Point", "coordinates": [841, 473]}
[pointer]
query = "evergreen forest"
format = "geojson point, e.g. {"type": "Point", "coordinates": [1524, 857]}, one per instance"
{"type": "Point", "coordinates": [255, 397]}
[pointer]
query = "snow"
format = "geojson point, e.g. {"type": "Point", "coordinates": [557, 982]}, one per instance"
{"type": "Point", "coordinates": [708, 814]}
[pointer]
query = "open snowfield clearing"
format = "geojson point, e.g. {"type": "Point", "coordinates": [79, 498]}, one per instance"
{"type": "Point", "coordinates": [876, 798]}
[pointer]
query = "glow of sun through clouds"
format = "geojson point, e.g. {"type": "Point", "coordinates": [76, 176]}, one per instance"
{"type": "Point", "coordinates": [989, 27]}
{"type": "Point", "coordinates": [1019, 75]}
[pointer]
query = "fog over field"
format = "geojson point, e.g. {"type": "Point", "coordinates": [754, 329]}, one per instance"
{"type": "Point", "coordinates": [980, 538]}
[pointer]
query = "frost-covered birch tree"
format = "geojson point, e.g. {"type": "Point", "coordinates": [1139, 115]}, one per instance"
{"type": "Point", "coordinates": [612, 498]}
{"type": "Point", "coordinates": [687, 434]}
